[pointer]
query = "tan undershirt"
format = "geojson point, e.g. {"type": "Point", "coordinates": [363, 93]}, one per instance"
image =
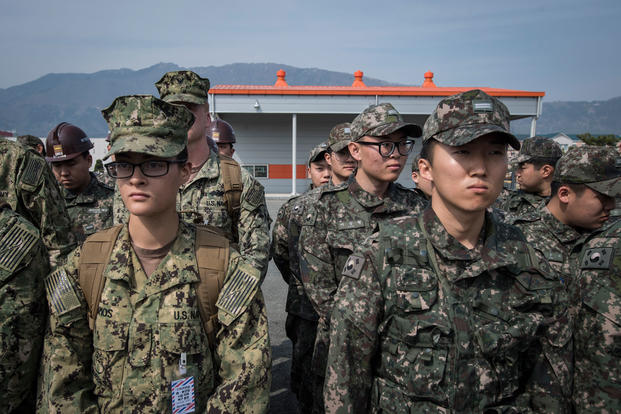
{"type": "Point", "coordinates": [149, 260]}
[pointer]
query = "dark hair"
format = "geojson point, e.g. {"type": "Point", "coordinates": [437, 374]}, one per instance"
{"type": "Point", "coordinates": [85, 154]}
{"type": "Point", "coordinates": [576, 188]}
{"type": "Point", "coordinates": [539, 162]}
{"type": "Point", "coordinates": [183, 155]}
{"type": "Point", "coordinates": [426, 151]}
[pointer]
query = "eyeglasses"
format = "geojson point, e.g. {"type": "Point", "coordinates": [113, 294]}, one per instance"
{"type": "Point", "coordinates": [386, 148]}
{"type": "Point", "coordinates": [151, 168]}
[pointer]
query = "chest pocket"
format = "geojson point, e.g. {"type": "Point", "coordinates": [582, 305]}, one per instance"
{"type": "Point", "coordinates": [109, 355]}
{"type": "Point", "coordinates": [344, 240]}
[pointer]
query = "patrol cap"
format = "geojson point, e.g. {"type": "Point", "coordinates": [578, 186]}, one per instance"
{"type": "Point", "coordinates": [380, 120]}
{"type": "Point", "coordinates": [538, 147]}
{"type": "Point", "coordinates": [590, 165]}
{"type": "Point", "coordinates": [317, 153]}
{"type": "Point", "coordinates": [30, 141]}
{"type": "Point", "coordinates": [147, 125]}
{"type": "Point", "coordinates": [183, 86]}
{"type": "Point", "coordinates": [340, 137]}
{"type": "Point", "coordinates": [462, 118]}
{"type": "Point", "coordinates": [65, 142]}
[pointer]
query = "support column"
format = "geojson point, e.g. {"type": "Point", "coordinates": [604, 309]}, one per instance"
{"type": "Point", "coordinates": [533, 126]}
{"type": "Point", "coordinates": [294, 145]}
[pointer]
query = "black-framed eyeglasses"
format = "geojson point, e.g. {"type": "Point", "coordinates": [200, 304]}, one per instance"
{"type": "Point", "coordinates": [386, 148]}
{"type": "Point", "coordinates": [150, 168]}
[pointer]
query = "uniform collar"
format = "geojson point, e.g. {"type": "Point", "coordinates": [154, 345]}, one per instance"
{"type": "Point", "coordinates": [390, 202]}
{"type": "Point", "coordinates": [564, 233]}
{"type": "Point", "coordinates": [86, 196]}
{"type": "Point", "coordinates": [178, 266]}
{"type": "Point", "coordinates": [210, 169]}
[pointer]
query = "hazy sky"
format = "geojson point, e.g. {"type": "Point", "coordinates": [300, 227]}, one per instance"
{"type": "Point", "coordinates": [569, 49]}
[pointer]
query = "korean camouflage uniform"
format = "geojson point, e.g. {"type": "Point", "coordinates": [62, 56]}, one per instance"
{"type": "Point", "coordinates": [301, 322]}
{"type": "Point", "coordinates": [520, 203]}
{"type": "Point", "coordinates": [422, 324]}
{"type": "Point", "coordinates": [331, 229]}
{"type": "Point", "coordinates": [90, 210]}
{"type": "Point", "coordinates": [128, 361]}
{"type": "Point", "coordinates": [23, 266]}
{"type": "Point", "coordinates": [29, 187]}
{"type": "Point", "coordinates": [596, 299]}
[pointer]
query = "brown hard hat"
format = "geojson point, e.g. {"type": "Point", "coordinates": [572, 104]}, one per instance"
{"type": "Point", "coordinates": [221, 132]}
{"type": "Point", "coordinates": [66, 141]}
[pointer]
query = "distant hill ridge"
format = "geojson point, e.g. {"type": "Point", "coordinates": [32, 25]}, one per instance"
{"type": "Point", "coordinates": [35, 107]}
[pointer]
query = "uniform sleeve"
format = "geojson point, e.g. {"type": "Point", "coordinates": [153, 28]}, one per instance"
{"type": "Point", "coordinates": [22, 322]}
{"type": "Point", "coordinates": [67, 382]}
{"type": "Point", "coordinates": [243, 352]}
{"type": "Point", "coordinates": [42, 199]}
{"type": "Point", "coordinates": [253, 226]}
{"type": "Point", "coordinates": [316, 261]}
{"type": "Point", "coordinates": [280, 242]}
{"type": "Point", "coordinates": [353, 337]}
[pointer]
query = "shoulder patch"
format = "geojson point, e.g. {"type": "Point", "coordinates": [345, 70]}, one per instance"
{"type": "Point", "coordinates": [237, 292]}
{"type": "Point", "coordinates": [60, 293]}
{"type": "Point", "coordinates": [597, 258]}
{"type": "Point", "coordinates": [353, 266]}
{"type": "Point", "coordinates": [255, 195]}
{"type": "Point", "coordinates": [33, 170]}
{"type": "Point", "coordinates": [15, 244]}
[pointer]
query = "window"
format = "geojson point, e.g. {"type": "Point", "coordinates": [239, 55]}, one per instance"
{"type": "Point", "coordinates": [258, 171]}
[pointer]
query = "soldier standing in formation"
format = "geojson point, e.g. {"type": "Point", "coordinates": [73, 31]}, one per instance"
{"type": "Point", "coordinates": [23, 265]}
{"type": "Point", "coordinates": [342, 164]}
{"type": "Point", "coordinates": [301, 323]}
{"type": "Point", "coordinates": [535, 171]}
{"type": "Point", "coordinates": [345, 214]}
{"type": "Point", "coordinates": [32, 142]}
{"type": "Point", "coordinates": [135, 327]}
{"type": "Point", "coordinates": [445, 310]}
{"type": "Point", "coordinates": [223, 135]}
{"type": "Point", "coordinates": [88, 201]}
{"type": "Point", "coordinates": [423, 185]}
{"type": "Point", "coordinates": [218, 193]}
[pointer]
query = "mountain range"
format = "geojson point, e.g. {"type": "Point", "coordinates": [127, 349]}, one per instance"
{"type": "Point", "coordinates": [35, 107]}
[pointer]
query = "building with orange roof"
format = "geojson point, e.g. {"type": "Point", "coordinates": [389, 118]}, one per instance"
{"type": "Point", "coordinates": [277, 125]}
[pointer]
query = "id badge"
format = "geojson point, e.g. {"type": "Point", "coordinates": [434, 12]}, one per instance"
{"type": "Point", "coordinates": [183, 396]}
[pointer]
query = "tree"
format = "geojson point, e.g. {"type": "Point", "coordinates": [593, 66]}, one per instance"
{"type": "Point", "coordinates": [600, 140]}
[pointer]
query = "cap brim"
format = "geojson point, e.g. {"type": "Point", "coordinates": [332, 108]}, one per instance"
{"type": "Point", "coordinates": [468, 133]}
{"type": "Point", "coordinates": [410, 130]}
{"type": "Point", "coordinates": [522, 158]}
{"type": "Point", "coordinates": [611, 187]}
{"type": "Point", "coordinates": [63, 158]}
{"type": "Point", "coordinates": [185, 98]}
{"type": "Point", "coordinates": [316, 158]}
{"type": "Point", "coordinates": [337, 146]}
{"type": "Point", "coordinates": [148, 145]}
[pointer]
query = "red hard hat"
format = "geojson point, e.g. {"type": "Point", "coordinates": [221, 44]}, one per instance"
{"type": "Point", "coordinates": [221, 132]}
{"type": "Point", "coordinates": [66, 141]}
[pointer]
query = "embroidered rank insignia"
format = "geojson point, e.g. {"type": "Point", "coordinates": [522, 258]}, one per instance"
{"type": "Point", "coordinates": [33, 171]}
{"type": "Point", "coordinates": [14, 245]}
{"type": "Point", "coordinates": [480, 106]}
{"type": "Point", "coordinates": [598, 258]}
{"type": "Point", "coordinates": [353, 266]}
{"type": "Point", "coordinates": [60, 293]}
{"type": "Point", "coordinates": [237, 292]}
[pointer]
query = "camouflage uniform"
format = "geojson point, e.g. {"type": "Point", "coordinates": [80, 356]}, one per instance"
{"type": "Point", "coordinates": [407, 339]}
{"type": "Point", "coordinates": [201, 200]}
{"type": "Point", "coordinates": [29, 187]}
{"type": "Point", "coordinates": [31, 141]}
{"type": "Point", "coordinates": [423, 324]}
{"type": "Point", "coordinates": [23, 265]}
{"type": "Point", "coordinates": [521, 203]}
{"type": "Point", "coordinates": [596, 296]}
{"type": "Point", "coordinates": [144, 337]}
{"type": "Point", "coordinates": [301, 322]}
{"type": "Point", "coordinates": [332, 226]}
{"type": "Point", "coordinates": [90, 210]}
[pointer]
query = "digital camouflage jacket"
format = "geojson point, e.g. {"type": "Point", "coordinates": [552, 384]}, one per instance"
{"type": "Point", "coordinates": [422, 324]}
{"type": "Point", "coordinates": [145, 339]}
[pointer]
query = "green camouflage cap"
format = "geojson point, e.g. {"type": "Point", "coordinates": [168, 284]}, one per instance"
{"type": "Point", "coordinates": [462, 118]}
{"type": "Point", "coordinates": [147, 125]}
{"type": "Point", "coordinates": [590, 165]}
{"type": "Point", "coordinates": [317, 153]}
{"type": "Point", "coordinates": [30, 141]}
{"type": "Point", "coordinates": [380, 120]}
{"type": "Point", "coordinates": [183, 86]}
{"type": "Point", "coordinates": [340, 136]}
{"type": "Point", "coordinates": [538, 147]}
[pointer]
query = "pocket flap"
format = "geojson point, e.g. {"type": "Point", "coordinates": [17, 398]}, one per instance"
{"type": "Point", "coordinates": [182, 337]}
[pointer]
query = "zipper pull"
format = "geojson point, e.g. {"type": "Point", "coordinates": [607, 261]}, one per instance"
{"type": "Point", "coordinates": [183, 361]}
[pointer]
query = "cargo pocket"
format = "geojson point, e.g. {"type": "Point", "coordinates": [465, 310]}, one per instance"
{"type": "Point", "coordinates": [185, 346]}
{"type": "Point", "coordinates": [109, 354]}
{"type": "Point", "coordinates": [416, 288]}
